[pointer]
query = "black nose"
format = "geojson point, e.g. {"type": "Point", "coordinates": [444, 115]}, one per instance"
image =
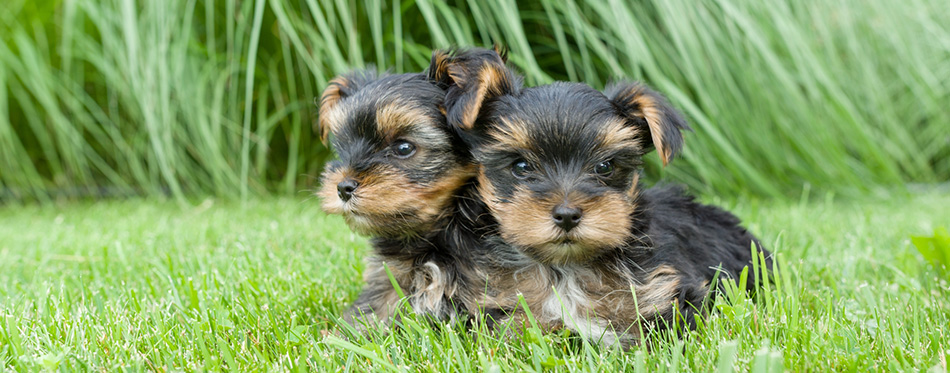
{"type": "Point", "coordinates": [345, 189]}
{"type": "Point", "coordinates": [566, 217]}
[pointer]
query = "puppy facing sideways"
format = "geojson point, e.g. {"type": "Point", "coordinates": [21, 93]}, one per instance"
{"type": "Point", "coordinates": [588, 248]}
{"type": "Point", "coordinates": [404, 178]}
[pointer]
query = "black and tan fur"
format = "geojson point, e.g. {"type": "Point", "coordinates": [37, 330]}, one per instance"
{"type": "Point", "coordinates": [632, 258]}
{"type": "Point", "coordinates": [421, 209]}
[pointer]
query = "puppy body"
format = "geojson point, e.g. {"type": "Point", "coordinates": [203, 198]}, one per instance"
{"type": "Point", "coordinates": [659, 279]}
{"type": "Point", "coordinates": [699, 240]}
{"type": "Point", "coordinates": [405, 179]}
{"type": "Point", "coordinates": [578, 237]}
{"type": "Point", "coordinates": [613, 300]}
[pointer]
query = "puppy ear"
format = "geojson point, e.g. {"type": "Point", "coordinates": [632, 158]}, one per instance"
{"type": "Point", "coordinates": [650, 111]}
{"type": "Point", "coordinates": [471, 77]}
{"type": "Point", "coordinates": [438, 71]}
{"type": "Point", "coordinates": [502, 52]}
{"type": "Point", "coordinates": [337, 89]}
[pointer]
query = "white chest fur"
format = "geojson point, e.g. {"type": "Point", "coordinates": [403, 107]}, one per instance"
{"type": "Point", "coordinates": [570, 303]}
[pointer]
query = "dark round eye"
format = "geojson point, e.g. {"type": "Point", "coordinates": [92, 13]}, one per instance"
{"type": "Point", "coordinates": [604, 168]}
{"type": "Point", "coordinates": [521, 169]}
{"type": "Point", "coordinates": [403, 149]}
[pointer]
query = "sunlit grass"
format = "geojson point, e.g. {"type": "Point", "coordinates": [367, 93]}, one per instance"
{"type": "Point", "coordinates": [153, 286]}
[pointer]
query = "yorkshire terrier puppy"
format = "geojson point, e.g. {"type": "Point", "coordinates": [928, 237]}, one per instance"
{"type": "Point", "coordinates": [580, 239]}
{"type": "Point", "coordinates": [396, 180]}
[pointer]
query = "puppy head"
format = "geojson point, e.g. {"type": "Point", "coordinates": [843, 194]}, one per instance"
{"type": "Point", "coordinates": [560, 164]}
{"type": "Point", "coordinates": [399, 164]}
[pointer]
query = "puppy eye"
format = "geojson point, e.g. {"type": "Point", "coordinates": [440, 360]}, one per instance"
{"type": "Point", "coordinates": [403, 149]}
{"type": "Point", "coordinates": [604, 169]}
{"type": "Point", "coordinates": [521, 169]}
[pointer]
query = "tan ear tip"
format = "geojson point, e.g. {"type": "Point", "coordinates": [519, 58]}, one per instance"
{"type": "Point", "coordinates": [324, 130]}
{"type": "Point", "coordinates": [662, 151]}
{"type": "Point", "coordinates": [439, 56]}
{"type": "Point", "coordinates": [502, 51]}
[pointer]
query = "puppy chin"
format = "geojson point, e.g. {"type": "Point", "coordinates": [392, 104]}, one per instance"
{"type": "Point", "coordinates": [563, 252]}
{"type": "Point", "coordinates": [332, 204]}
{"type": "Point", "coordinates": [359, 224]}
{"type": "Point", "coordinates": [386, 226]}
{"type": "Point", "coordinates": [558, 248]}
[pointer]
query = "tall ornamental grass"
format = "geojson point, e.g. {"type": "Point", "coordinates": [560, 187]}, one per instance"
{"type": "Point", "coordinates": [183, 97]}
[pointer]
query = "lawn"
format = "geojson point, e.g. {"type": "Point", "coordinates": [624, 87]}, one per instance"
{"type": "Point", "coordinates": [149, 285]}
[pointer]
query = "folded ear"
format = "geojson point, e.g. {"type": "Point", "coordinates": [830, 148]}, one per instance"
{"type": "Point", "coordinates": [438, 71]}
{"type": "Point", "coordinates": [650, 111]}
{"type": "Point", "coordinates": [471, 77]}
{"type": "Point", "coordinates": [337, 89]}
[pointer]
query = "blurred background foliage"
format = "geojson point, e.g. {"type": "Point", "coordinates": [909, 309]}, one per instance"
{"type": "Point", "coordinates": [186, 98]}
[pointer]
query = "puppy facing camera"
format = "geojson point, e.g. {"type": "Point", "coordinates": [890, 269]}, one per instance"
{"type": "Point", "coordinates": [584, 243]}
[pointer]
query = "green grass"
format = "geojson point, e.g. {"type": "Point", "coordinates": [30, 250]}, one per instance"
{"type": "Point", "coordinates": [192, 98]}
{"type": "Point", "coordinates": [150, 285]}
